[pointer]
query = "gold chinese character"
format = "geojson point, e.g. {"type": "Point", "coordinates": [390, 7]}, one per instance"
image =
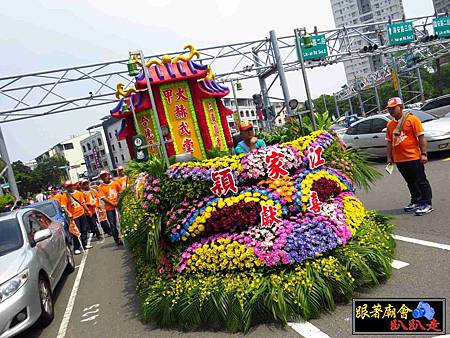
{"type": "Point", "coordinates": [376, 311]}
{"type": "Point", "coordinates": [404, 310]}
{"type": "Point", "coordinates": [361, 312]}
{"type": "Point", "coordinates": [389, 311]}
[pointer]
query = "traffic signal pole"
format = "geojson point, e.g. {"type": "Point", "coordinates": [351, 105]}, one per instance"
{"type": "Point", "coordinates": [10, 172]}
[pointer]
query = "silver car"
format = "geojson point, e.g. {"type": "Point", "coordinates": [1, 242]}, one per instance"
{"type": "Point", "coordinates": [438, 106]}
{"type": "Point", "coordinates": [369, 134]}
{"type": "Point", "coordinates": [34, 253]}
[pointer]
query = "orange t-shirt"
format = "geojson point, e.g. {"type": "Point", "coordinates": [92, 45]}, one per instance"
{"type": "Point", "coordinates": [123, 181]}
{"type": "Point", "coordinates": [111, 191]}
{"type": "Point", "coordinates": [90, 202]}
{"type": "Point", "coordinates": [405, 147]}
{"type": "Point", "coordinates": [56, 197]}
{"type": "Point", "coordinates": [75, 208]}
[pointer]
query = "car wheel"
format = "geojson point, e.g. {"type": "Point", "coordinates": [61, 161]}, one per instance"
{"type": "Point", "coordinates": [46, 300]}
{"type": "Point", "coordinates": [70, 260]}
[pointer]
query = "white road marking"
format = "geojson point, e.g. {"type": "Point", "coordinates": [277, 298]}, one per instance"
{"type": "Point", "coordinates": [308, 330]}
{"type": "Point", "coordinates": [422, 242]}
{"type": "Point", "coordinates": [398, 264]}
{"type": "Point", "coordinates": [70, 304]}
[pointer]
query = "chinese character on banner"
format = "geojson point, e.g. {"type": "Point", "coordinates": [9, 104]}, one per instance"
{"type": "Point", "coordinates": [395, 325]}
{"type": "Point", "coordinates": [275, 165]}
{"type": "Point", "coordinates": [414, 324]}
{"type": "Point", "coordinates": [361, 312]}
{"type": "Point", "coordinates": [376, 311]}
{"type": "Point", "coordinates": [168, 95]}
{"type": "Point", "coordinates": [433, 325]}
{"type": "Point", "coordinates": [404, 310]}
{"type": "Point", "coordinates": [223, 182]}
{"type": "Point", "coordinates": [181, 95]}
{"type": "Point", "coordinates": [188, 145]}
{"type": "Point", "coordinates": [218, 141]}
{"type": "Point", "coordinates": [269, 215]}
{"type": "Point", "coordinates": [314, 203]}
{"type": "Point", "coordinates": [183, 129]}
{"type": "Point", "coordinates": [180, 112]}
{"type": "Point", "coordinates": [148, 133]}
{"type": "Point", "coordinates": [389, 311]}
{"type": "Point", "coordinates": [145, 121]}
{"type": "Point", "coordinates": [315, 157]}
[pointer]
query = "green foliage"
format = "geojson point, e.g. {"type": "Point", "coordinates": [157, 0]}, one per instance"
{"type": "Point", "coordinates": [6, 199]}
{"type": "Point", "coordinates": [216, 152]}
{"type": "Point", "coordinates": [45, 174]}
{"type": "Point", "coordinates": [155, 166]}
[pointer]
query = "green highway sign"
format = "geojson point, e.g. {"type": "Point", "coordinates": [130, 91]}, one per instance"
{"type": "Point", "coordinates": [442, 26]}
{"type": "Point", "coordinates": [400, 33]}
{"type": "Point", "coordinates": [318, 50]}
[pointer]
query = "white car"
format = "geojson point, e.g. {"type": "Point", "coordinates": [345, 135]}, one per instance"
{"type": "Point", "coordinates": [369, 134]}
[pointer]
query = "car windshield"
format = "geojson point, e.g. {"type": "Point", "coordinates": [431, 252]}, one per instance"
{"type": "Point", "coordinates": [10, 236]}
{"type": "Point", "coordinates": [423, 116]}
{"type": "Point", "coordinates": [46, 208]}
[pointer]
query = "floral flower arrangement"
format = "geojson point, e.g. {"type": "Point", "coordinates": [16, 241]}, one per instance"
{"type": "Point", "coordinates": [256, 252]}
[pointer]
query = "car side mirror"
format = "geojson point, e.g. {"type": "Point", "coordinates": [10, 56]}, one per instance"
{"type": "Point", "coordinates": [384, 130]}
{"type": "Point", "coordinates": [42, 235]}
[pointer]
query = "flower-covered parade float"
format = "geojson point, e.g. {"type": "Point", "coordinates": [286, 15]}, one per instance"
{"type": "Point", "coordinates": [272, 235]}
{"type": "Point", "coordinates": [227, 242]}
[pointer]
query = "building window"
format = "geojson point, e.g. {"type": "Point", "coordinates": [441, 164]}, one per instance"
{"type": "Point", "coordinates": [99, 141]}
{"type": "Point", "coordinates": [115, 131]}
{"type": "Point", "coordinates": [115, 158]}
{"type": "Point", "coordinates": [242, 113]}
{"type": "Point", "coordinates": [247, 113]}
{"type": "Point", "coordinates": [68, 146]}
{"type": "Point", "coordinates": [120, 145]}
{"type": "Point", "coordinates": [102, 152]}
{"type": "Point", "coordinates": [89, 146]}
{"type": "Point", "coordinates": [84, 149]}
{"type": "Point", "coordinates": [123, 157]}
{"type": "Point", "coordinates": [105, 163]}
{"type": "Point", "coordinates": [110, 136]}
{"type": "Point", "coordinates": [113, 148]}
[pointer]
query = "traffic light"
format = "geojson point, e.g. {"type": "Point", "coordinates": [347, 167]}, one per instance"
{"type": "Point", "coordinates": [141, 154]}
{"type": "Point", "coordinates": [428, 38]}
{"type": "Point", "coordinates": [369, 48]}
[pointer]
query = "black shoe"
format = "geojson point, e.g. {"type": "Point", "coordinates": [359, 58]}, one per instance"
{"type": "Point", "coordinates": [119, 242]}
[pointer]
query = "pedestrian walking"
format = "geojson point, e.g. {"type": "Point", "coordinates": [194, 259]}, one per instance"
{"type": "Point", "coordinates": [89, 197]}
{"type": "Point", "coordinates": [74, 202]}
{"type": "Point", "coordinates": [122, 179]}
{"type": "Point", "coordinates": [40, 197]}
{"type": "Point", "coordinates": [108, 192]}
{"type": "Point", "coordinates": [407, 148]}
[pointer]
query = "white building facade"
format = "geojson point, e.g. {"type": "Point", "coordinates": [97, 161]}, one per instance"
{"type": "Point", "coordinates": [96, 153]}
{"type": "Point", "coordinates": [72, 152]}
{"type": "Point", "coordinates": [119, 152]}
{"type": "Point", "coordinates": [356, 12]}
{"type": "Point", "coordinates": [441, 6]}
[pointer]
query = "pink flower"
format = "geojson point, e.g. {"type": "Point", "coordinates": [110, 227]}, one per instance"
{"type": "Point", "coordinates": [156, 201]}
{"type": "Point", "coordinates": [145, 205]}
{"type": "Point", "coordinates": [149, 197]}
{"type": "Point", "coordinates": [156, 189]}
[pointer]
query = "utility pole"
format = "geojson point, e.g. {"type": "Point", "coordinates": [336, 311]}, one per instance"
{"type": "Point", "coordinates": [298, 36]}
{"type": "Point", "coordinates": [338, 114]}
{"type": "Point", "coordinates": [262, 84]}
{"type": "Point", "coordinates": [419, 78]}
{"type": "Point", "coordinates": [10, 172]}
{"type": "Point", "coordinates": [280, 69]}
{"type": "Point", "coordinates": [238, 120]}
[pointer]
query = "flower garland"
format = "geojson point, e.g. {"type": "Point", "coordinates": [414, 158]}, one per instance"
{"type": "Point", "coordinates": [353, 210]}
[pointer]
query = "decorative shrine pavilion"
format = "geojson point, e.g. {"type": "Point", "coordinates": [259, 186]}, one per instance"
{"type": "Point", "coordinates": [188, 102]}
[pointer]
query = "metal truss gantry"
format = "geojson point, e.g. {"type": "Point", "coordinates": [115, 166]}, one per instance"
{"type": "Point", "coordinates": [66, 89]}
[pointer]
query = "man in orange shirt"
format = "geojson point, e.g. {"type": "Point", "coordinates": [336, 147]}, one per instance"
{"type": "Point", "coordinates": [54, 194]}
{"type": "Point", "coordinates": [74, 202]}
{"type": "Point", "coordinates": [108, 192]}
{"type": "Point", "coordinates": [122, 179]}
{"type": "Point", "coordinates": [407, 148]}
{"type": "Point", "coordinates": [90, 200]}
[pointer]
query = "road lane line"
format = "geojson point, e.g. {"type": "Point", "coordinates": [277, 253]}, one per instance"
{"type": "Point", "coordinates": [70, 304]}
{"type": "Point", "coordinates": [422, 242]}
{"type": "Point", "coordinates": [398, 264]}
{"type": "Point", "coordinates": [308, 330]}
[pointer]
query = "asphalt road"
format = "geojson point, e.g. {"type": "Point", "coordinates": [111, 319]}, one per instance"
{"type": "Point", "coordinates": [105, 304]}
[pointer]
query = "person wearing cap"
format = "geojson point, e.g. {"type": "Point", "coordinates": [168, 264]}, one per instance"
{"type": "Point", "coordinates": [90, 199]}
{"type": "Point", "coordinates": [249, 141]}
{"type": "Point", "coordinates": [108, 192]}
{"type": "Point", "coordinates": [74, 202]}
{"type": "Point", "coordinates": [407, 148]}
{"type": "Point", "coordinates": [122, 179]}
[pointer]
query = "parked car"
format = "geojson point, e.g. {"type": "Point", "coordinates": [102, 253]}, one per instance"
{"type": "Point", "coordinates": [342, 123]}
{"type": "Point", "coordinates": [438, 106]}
{"type": "Point", "coordinates": [53, 210]}
{"type": "Point", "coordinates": [34, 254]}
{"type": "Point", "coordinates": [369, 134]}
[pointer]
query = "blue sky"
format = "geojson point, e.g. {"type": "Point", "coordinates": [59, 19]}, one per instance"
{"type": "Point", "coordinates": [41, 35]}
